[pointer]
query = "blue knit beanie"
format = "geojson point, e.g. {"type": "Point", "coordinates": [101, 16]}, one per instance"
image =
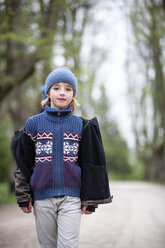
{"type": "Point", "coordinates": [62, 74]}
{"type": "Point", "coordinates": [42, 89]}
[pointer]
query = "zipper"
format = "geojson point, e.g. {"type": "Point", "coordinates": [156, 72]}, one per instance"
{"type": "Point", "coordinates": [58, 174]}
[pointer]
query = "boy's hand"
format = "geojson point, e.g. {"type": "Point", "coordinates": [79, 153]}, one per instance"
{"type": "Point", "coordinates": [28, 209]}
{"type": "Point", "coordinates": [84, 211]}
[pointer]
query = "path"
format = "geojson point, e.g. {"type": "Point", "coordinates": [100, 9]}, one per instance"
{"type": "Point", "coordinates": [136, 218]}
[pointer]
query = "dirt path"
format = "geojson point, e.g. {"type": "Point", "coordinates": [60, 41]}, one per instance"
{"type": "Point", "coordinates": [136, 218]}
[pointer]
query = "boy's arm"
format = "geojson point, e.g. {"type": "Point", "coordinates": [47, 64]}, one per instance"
{"type": "Point", "coordinates": [22, 189]}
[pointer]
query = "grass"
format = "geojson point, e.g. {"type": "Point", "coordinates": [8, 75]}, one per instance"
{"type": "Point", "coordinates": [134, 175]}
{"type": "Point", "coordinates": [120, 177]}
{"type": "Point", "coordinates": [5, 196]}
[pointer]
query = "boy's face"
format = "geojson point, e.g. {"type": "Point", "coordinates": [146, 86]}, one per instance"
{"type": "Point", "coordinates": [61, 94]}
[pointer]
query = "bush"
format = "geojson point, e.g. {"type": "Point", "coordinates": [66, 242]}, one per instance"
{"type": "Point", "coordinates": [5, 196]}
{"type": "Point", "coordinates": [4, 155]}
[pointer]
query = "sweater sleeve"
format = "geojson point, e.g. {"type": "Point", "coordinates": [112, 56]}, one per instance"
{"type": "Point", "coordinates": [30, 128]}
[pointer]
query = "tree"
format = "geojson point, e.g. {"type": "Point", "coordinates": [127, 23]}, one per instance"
{"type": "Point", "coordinates": [148, 113]}
{"type": "Point", "coordinates": [30, 31]}
{"type": "Point", "coordinates": [27, 34]}
{"type": "Point", "coordinates": [116, 149]}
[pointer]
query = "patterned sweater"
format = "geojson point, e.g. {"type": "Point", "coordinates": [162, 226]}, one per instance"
{"type": "Point", "coordinates": [57, 135]}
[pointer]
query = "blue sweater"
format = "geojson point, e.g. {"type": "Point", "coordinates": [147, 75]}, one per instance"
{"type": "Point", "coordinates": [57, 135]}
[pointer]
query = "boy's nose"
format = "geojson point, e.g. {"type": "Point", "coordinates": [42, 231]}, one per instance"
{"type": "Point", "coordinates": [62, 92]}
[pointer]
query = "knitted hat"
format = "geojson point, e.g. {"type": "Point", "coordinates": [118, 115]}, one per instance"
{"type": "Point", "coordinates": [42, 89]}
{"type": "Point", "coordinates": [62, 74]}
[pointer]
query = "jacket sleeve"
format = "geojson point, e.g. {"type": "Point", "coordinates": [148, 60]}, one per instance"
{"type": "Point", "coordinates": [23, 150]}
{"type": "Point", "coordinates": [22, 188]}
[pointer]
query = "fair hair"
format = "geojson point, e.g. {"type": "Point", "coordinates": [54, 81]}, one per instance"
{"type": "Point", "coordinates": [74, 103]}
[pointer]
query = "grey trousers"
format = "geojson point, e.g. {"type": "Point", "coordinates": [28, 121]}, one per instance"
{"type": "Point", "coordinates": [58, 222]}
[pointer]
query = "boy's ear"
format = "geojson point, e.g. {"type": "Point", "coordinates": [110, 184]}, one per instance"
{"type": "Point", "coordinates": [48, 93]}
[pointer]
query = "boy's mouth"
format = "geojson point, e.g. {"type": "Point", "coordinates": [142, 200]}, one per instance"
{"type": "Point", "coordinates": [61, 99]}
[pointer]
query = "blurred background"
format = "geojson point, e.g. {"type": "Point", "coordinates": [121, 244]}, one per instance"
{"type": "Point", "coordinates": [116, 50]}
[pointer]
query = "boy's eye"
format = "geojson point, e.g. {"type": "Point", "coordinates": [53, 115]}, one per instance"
{"type": "Point", "coordinates": [55, 88]}
{"type": "Point", "coordinates": [68, 89]}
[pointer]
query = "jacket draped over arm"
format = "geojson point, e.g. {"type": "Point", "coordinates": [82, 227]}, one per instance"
{"type": "Point", "coordinates": [95, 184]}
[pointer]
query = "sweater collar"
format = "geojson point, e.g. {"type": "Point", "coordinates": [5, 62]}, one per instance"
{"type": "Point", "coordinates": [57, 113]}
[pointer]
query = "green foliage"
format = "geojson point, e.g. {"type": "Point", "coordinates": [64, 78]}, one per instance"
{"type": "Point", "coordinates": [34, 35]}
{"type": "Point", "coordinates": [117, 152]}
{"type": "Point", "coordinates": [4, 153]}
{"type": "Point", "coordinates": [136, 173]}
{"type": "Point", "coordinates": [39, 35]}
{"type": "Point", "coordinates": [116, 149]}
{"type": "Point", "coordinates": [148, 116]}
{"type": "Point", "coordinates": [5, 196]}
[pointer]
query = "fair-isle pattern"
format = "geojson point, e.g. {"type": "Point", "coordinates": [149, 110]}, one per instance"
{"type": "Point", "coordinates": [47, 148]}
{"type": "Point", "coordinates": [41, 136]}
{"type": "Point", "coordinates": [43, 159]}
{"type": "Point", "coordinates": [71, 146]}
{"type": "Point", "coordinates": [32, 137]}
{"type": "Point", "coordinates": [43, 147]}
{"type": "Point", "coordinates": [71, 136]}
{"type": "Point", "coordinates": [44, 135]}
{"type": "Point", "coordinates": [70, 159]}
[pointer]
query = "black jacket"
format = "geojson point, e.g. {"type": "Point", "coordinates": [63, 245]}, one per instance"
{"type": "Point", "coordinates": [23, 150]}
{"type": "Point", "coordinates": [95, 184]}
